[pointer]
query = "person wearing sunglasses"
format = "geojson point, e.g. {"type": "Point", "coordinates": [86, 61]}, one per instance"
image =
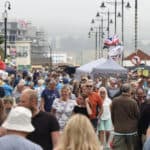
{"type": "Point", "coordinates": [95, 102]}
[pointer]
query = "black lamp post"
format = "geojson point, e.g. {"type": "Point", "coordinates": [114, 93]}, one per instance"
{"type": "Point", "coordinates": [95, 33]}
{"type": "Point", "coordinates": [122, 28]}
{"type": "Point", "coordinates": [50, 58]}
{"type": "Point", "coordinates": [108, 28]}
{"type": "Point", "coordinates": [7, 7]}
{"type": "Point", "coordinates": [115, 16]}
{"type": "Point", "coordinates": [122, 23]}
{"type": "Point", "coordinates": [99, 32]}
{"type": "Point", "coordinates": [102, 35]}
{"type": "Point", "coordinates": [136, 23]}
{"type": "Point", "coordinates": [99, 35]}
{"type": "Point", "coordinates": [115, 13]}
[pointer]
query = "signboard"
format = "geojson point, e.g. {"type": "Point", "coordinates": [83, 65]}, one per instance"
{"type": "Point", "coordinates": [144, 72]}
{"type": "Point", "coordinates": [136, 60]}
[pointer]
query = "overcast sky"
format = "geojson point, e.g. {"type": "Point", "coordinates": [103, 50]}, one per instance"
{"type": "Point", "coordinates": [66, 16]}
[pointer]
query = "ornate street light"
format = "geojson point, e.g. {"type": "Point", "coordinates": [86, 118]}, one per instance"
{"type": "Point", "coordinates": [111, 21]}
{"type": "Point", "coordinates": [136, 24]}
{"type": "Point", "coordinates": [96, 35]}
{"type": "Point", "coordinates": [50, 58]}
{"type": "Point", "coordinates": [128, 5]}
{"type": "Point", "coordinates": [7, 6]}
{"type": "Point", "coordinates": [103, 6]}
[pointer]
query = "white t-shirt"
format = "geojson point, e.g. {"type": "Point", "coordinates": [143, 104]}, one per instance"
{"type": "Point", "coordinates": [63, 110]}
{"type": "Point", "coordinates": [106, 109]}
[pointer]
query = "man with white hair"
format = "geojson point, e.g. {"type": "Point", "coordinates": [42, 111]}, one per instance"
{"type": "Point", "coordinates": [18, 125]}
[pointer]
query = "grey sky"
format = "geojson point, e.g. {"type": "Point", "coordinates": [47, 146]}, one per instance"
{"type": "Point", "coordinates": [66, 16]}
{"type": "Point", "coordinates": [55, 14]}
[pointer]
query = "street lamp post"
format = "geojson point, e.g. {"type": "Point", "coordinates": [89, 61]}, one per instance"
{"type": "Point", "coordinates": [96, 38]}
{"type": "Point", "coordinates": [7, 6]}
{"type": "Point", "coordinates": [115, 13]}
{"type": "Point", "coordinates": [136, 23]}
{"type": "Point", "coordinates": [122, 23]}
{"type": "Point", "coordinates": [122, 20]}
{"type": "Point", "coordinates": [95, 33]}
{"type": "Point", "coordinates": [108, 17]}
{"type": "Point", "coordinates": [115, 16]}
{"type": "Point", "coordinates": [109, 21]}
{"type": "Point", "coordinates": [50, 58]}
{"type": "Point", "coordinates": [122, 28]}
{"type": "Point", "coordinates": [98, 35]}
{"type": "Point", "coordinates": [99, 30]}
{"type": "Point", "coordinates": [102, 35]}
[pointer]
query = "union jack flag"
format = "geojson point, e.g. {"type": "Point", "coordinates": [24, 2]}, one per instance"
{"type": "Point", "coordinates": [112, 41]}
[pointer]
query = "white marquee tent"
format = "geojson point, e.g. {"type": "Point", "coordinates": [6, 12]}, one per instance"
{"type": "Point", "coordinates": [87, 69]}
{"type": "Point", "coordinates": [109, 67]}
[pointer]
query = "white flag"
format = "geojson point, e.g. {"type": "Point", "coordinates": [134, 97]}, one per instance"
{"type": "Point", "coordinates": [117, 50]}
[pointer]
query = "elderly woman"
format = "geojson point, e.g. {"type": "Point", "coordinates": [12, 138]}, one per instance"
{"type": "Point", "coordinates": [63, 107]}
{"type": "Point", "coordinates": [105, 125]}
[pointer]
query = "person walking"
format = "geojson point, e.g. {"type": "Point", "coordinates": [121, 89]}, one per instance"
{"type": "Point", "coordinates": [18, 125]}
{"type": "Point", "coordinates": [105, 123]}
{"type": "Point", "coordinates": [95, 103]}
{"type": "Point", "coordinates": [46, 125]}
{"type": "Point", "coordinates": [78, 134]}
{"type": "Point", "coordinates": [125, 115]}
{"type": "Point", "coordinates": [63, 107]}
{"type": "Point", "coordinates": [48, 96]}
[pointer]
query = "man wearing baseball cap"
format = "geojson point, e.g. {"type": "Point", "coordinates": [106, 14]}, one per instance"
{"type": "Point", "coordinates": [18, 125]}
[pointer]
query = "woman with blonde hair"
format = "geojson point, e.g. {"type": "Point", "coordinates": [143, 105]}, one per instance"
{"type": "Point", "coordinates": [105, 123]}
{"type": "Point", "coordinates": [63, 107]}
{"type": "Point", "coordinates": [78, 134]}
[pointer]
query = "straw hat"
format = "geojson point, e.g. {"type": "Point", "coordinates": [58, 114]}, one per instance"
{"type": "Point", "coordinates": [19, 119]}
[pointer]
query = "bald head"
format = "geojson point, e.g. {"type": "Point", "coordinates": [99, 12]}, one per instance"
{"type": "Point", "coordinates": [31, 93]}
{"type": "Point", "coordinates": [29, 99]}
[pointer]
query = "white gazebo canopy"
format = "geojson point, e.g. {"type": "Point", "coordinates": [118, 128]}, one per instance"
{"type": "Point", "coordinates": [87, 69]}
{"type": "Point", "coordinates": [109, 67]}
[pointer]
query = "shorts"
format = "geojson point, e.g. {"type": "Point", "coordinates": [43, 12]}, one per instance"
{"type": "Point", "coordinates": [105, 125]}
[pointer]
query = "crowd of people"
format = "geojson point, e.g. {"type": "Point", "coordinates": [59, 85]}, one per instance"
{"type": "Point", "coordinates": [52, 110]}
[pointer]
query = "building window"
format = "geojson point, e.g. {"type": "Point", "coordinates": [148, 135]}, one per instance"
{"type": "Point", "coordinates": [22, 51]}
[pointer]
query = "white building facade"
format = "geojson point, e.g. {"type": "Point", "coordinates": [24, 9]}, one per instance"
{"type": "Point", "coordinates": [23, 53]}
